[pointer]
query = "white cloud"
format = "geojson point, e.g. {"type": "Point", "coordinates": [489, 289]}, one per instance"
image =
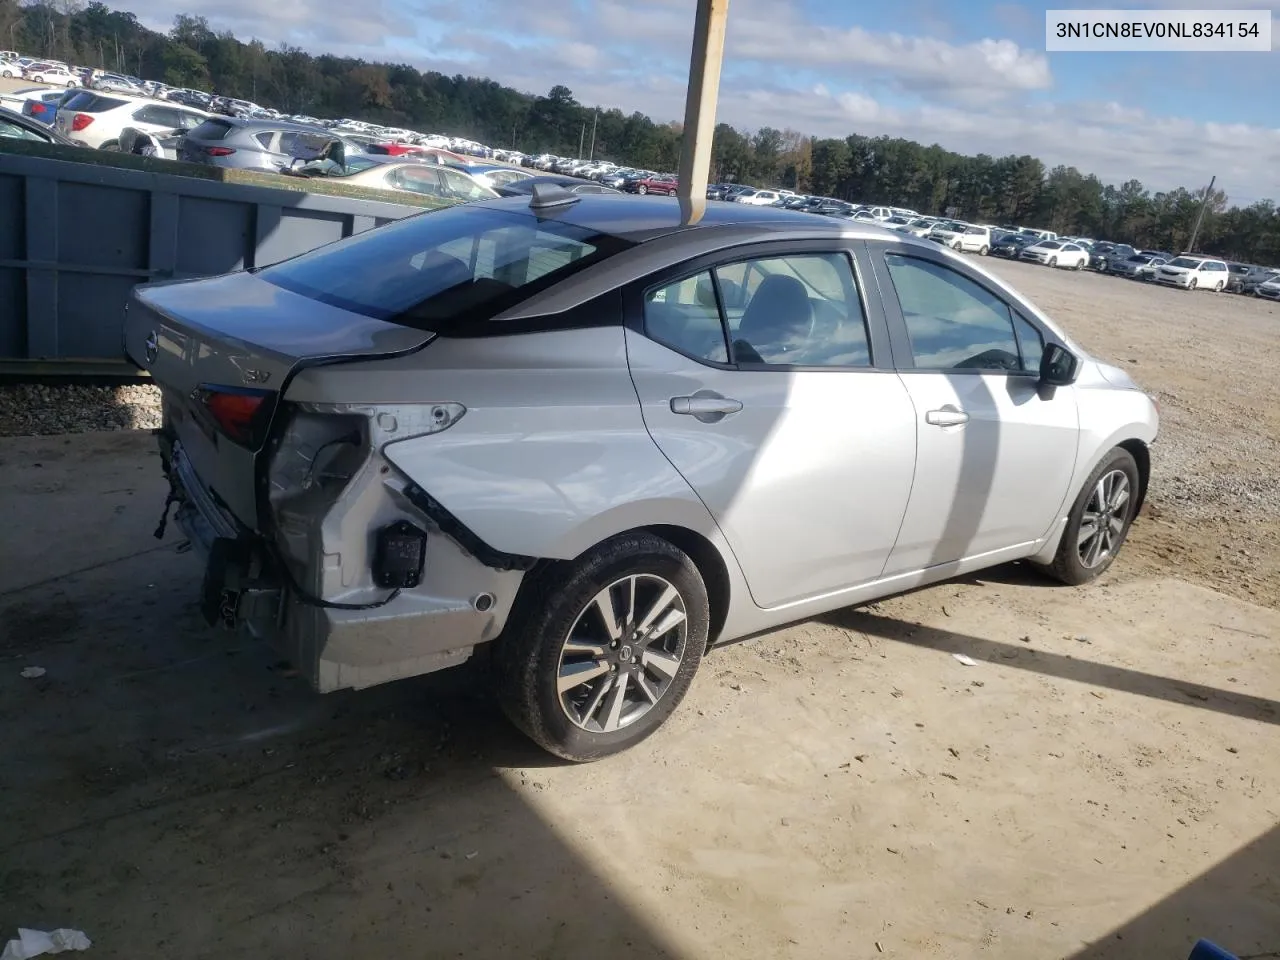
{"type": "Point", "coordinates": [783, 70]}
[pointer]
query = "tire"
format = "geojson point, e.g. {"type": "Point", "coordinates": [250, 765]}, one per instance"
{"type": "Point", "coordinates": [563, 600]}
{"type": "Point", "coordinates": [1218, 287]}
{"type": "Point", "coordinates": [671, 193]}
{"type": "Point", "coordinates": [956, 247]}
{"type": "Point", "coordinates": [1069, 563]}
{"type": "Point", "coordinates": [642, 189]}
{"type": "Point", "coordinates": [111, 145]}
{"type": "Point", "coordinates": [983, 251]}
{"type": "Point", "coordinates": [1079, 266]}
{"type": "Point", "coordinates": [1192, 285]}
{"type": "Point", "coordinates": [1053, 261]}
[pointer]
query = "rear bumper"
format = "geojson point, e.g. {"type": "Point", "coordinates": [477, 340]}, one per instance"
{"type": "Point", "coordinates": [245, 588]}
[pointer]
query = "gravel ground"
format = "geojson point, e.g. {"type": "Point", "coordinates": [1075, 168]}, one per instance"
{"type": "Point", "coordinates": [33, 410]}
{"type": "Point", "coordinates": [1215, 499]}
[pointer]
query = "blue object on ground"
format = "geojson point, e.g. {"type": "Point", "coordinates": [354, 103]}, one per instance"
{"type": "Point", "coordinates": [1204, 950]}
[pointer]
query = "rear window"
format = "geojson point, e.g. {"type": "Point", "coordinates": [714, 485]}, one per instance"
{"type": "Point", "coordinates": [87, 101]}
{"type": "Point", "coordinates": [211, 130]}
{"type": "Point", "coordinates": [441, 270]}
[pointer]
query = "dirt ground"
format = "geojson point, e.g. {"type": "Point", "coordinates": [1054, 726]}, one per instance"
{"type": "Point", "coordinates": [1102, 784]}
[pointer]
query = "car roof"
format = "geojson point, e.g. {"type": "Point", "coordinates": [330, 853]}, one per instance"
{"type": "Point", "coordinates": [644, 218]}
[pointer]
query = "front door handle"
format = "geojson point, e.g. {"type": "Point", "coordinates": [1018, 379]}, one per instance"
{"type": "Point", "coordinates": [946, 417]}
{"type": "Point", "coordinates": [705, 406]}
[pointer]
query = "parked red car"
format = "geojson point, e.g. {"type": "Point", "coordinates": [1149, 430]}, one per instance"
{"type": "Point", "coordinates": [662, 186]}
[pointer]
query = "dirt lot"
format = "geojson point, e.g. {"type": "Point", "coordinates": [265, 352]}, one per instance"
{"type": "Point", "coordinates": [1101, 785]}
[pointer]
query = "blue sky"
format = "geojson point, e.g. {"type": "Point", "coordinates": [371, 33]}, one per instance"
{"type": "Point", "coordinates": [972, 76]}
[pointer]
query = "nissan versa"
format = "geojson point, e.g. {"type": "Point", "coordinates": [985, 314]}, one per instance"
{"type": "Point", "coordinates": [598, 440]}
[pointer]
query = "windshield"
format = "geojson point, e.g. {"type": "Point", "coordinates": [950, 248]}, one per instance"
{"type": "Point", "coordinates": [1049, 244]}
{"type": "Point", "coordinates": [1185, 262]}
{"type": "Point", "coordinates": [437, 270]}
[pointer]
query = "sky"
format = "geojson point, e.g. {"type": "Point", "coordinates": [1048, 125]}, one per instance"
{"type": "Point", "coordinates": [972, 76]}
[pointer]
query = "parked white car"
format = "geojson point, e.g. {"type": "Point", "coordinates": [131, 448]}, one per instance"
{"type": "Point", "coordinates": [948, 231]}
{"type": "Point", "coordinates": [1192, 273]}
{"type": "Point", "coordinates": [611, 443]}
{"type": "Point", "coordinates": [761, 198]}
{"type": "Point", "coordinates": [1055, 253]}
{"type": "Point", "coordinates": [95, 119]}
{"type": "Point", "coordinates": [58, 76]}
{"type": "Point", "coordinates": [975, 239]}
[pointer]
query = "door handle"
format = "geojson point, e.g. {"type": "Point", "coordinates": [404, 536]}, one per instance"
{"type": "Point", "coordinates": [706, 407]}
{"type": "Point", "coordinates": [946, 417]}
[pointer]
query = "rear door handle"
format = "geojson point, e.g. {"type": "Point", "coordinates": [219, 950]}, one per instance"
{"type": "Point", "coordinates": [946, 417]}
{"type": "Point", "coordinates": [707, 407]}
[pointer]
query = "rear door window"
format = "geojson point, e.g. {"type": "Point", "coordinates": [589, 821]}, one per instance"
{"type": "Point", "coordinates": [88, 102]}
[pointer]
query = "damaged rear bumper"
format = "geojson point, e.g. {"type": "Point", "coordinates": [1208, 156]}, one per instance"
{"type": "Point", "coordinates": [461, 602]}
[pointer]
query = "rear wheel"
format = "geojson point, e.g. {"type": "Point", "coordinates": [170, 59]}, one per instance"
{"type": "Point", "coordinates": [111, 145]}
{"type": "Point", "coordinates": [1099, 520]}
{"type": "Point", "coordinates": [1218, 287]}
{"type": "Point", "coordinates": [601, 650]}
{"type": "Point", "coordinates": [642, 189]}
{"type": "Point", "coordinates": [983, 250]}
{"type": "Point", "coordinates": [671, 193]}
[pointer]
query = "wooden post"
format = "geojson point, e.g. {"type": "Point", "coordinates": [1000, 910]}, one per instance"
{"type": "Point", "coordinates": [700, 107]}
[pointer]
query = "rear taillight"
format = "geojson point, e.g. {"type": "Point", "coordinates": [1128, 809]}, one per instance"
{"type": "Point", "coordinates": [240, 413]}
{"type": "Point", "coordinates": [81, 121]}
{"type": "Point", "coordinates": [38, 108]}
{"type": "Point", "coordinates": [219, 151]}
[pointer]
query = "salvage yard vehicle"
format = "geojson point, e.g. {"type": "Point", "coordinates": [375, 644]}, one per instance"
{"type": "Point", "coordinates": [1192, 272]}
{"type": "Point", "coordinates": [592, 440]}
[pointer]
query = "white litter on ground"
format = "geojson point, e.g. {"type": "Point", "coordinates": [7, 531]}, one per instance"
{"type": "Point", "coordinates": [36, 943]}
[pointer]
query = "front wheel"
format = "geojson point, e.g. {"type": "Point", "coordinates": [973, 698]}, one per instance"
{"type": "Point", "coordinates": [1053, 261]}
{"type": "Point", "coordinates": [1192, 284]}
{"type": "Point", "coordinates": [1099, 520]}
{"type": "Point", "coordinates": [599, 651]}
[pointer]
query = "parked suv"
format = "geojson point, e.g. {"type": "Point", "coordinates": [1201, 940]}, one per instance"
{"type": "Point", "coordinates": [598, 439]}
{"type": "Point", "coordinates": [95, 119]}
{"type": "Point", "coordinates": [1192, 272]}
{"type": "Point", "coordinates": [246, 144]}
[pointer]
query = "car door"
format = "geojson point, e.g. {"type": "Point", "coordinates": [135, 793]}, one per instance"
{"type": "Point", "coordinates": [1073, 254]}
{"type": "Point", "coordinates": [996, 451]}
{"type": "Point", "coordinates": [765, 379]}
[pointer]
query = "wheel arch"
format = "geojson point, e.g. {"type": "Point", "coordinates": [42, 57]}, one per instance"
{"type": "Point", "coordinates": [1141, 454]}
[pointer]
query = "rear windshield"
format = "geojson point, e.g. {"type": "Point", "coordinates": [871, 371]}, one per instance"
{"type": "Point", "coordinates": [439, 270]}
{"type": "Point", "coordinates": [88, 102]}
{"type": "Point", "coordinates": [211, 130]}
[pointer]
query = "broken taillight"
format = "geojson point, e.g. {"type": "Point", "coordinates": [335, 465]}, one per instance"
{"type": "Point", "coordinates": [240, 413]}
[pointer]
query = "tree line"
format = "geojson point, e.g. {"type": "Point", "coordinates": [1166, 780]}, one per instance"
{"type": "Point", "coordinates": [887, 170]}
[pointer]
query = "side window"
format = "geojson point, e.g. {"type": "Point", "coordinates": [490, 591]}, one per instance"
{"type": "Point", "coordinates": [953, 322]}
{"type": "Point", "coordinates": [188, 121]}
{"type": "Point", "coordinates": [683, 315]}
{"type": "Point", "coordinates": [461, 186]}
{"type": "Point", "coordinates": [155, 115]}
{"type": "Point", "coordinates": [264, 139]}
{"type": "Point", "coordinates": [1031, 342]}
{"type": "Point", "coordinates": [801, 310]}
{"type": "Point", "coordinates": [425, 181]}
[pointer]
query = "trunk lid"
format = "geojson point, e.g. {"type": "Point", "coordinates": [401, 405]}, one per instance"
{"type": "Point", "coordinates": [240, 335]}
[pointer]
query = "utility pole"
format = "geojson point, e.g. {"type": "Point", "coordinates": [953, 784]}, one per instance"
{"type": "Point", "coordinates": [594, 120]}
{"type": "Point", "coordinates": [1208, 191]}
{"type": "Point", "coordinates": [700, 107]}
{"type": "Point", "coordinates": [582, 138]}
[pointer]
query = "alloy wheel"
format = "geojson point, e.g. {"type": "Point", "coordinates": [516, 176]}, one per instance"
{"type": "Point", "coordinates": [622, 653]}
{"type": "Point", "coordinates": [1103, 522]}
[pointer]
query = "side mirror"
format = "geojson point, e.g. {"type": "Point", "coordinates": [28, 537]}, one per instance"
{"type": "Point", "coordinates": [1059, 367]}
